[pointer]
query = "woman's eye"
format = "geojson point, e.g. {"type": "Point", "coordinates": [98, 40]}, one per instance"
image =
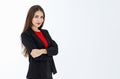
{"type": "Point", "coordinates": [41, 17]}
{"type": "Point", "coordinates": [36, 16]}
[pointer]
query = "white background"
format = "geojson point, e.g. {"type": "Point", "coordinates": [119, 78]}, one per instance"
{"type": "Point", "coordinates": [87, 32]}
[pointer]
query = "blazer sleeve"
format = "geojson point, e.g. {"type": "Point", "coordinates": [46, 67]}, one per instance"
{"type": "Point", "coordinates": [29, 44]}
{"type": "Point", "coordinates": [53, 48]}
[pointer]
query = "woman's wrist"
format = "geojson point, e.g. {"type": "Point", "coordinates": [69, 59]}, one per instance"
{"type": "Point", "coordinates": [43, 51]}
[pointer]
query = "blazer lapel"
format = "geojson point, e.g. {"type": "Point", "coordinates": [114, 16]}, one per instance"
{"type": "Point", "coordinates": [46, 36]}
{"type": "Point", "coordinates": [38, 40]}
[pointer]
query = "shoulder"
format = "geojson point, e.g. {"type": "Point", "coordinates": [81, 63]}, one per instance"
{"type": "Point", "coordinates": [26, 33]}
{"type": "Point", "coordinates": [44, 30]}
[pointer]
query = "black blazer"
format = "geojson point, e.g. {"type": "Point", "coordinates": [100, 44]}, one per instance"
{"type": "Point", "coordinates": [38, 65]}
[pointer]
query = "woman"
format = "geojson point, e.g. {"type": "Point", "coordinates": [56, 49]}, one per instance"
{"type": "Point", "coordinates": [38, 45]}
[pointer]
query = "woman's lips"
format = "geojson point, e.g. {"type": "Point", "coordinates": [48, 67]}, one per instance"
{"type": "Point", "coordinates": [38, 23]}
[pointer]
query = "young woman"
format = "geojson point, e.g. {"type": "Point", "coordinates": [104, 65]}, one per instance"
{"type": "Point", "coordinates": [38, 45]}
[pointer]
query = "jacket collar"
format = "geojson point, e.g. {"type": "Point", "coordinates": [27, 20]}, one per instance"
{"type": "Point", "coordinates": [38, 39]}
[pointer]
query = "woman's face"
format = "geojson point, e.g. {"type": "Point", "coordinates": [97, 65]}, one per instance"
{"type": "Point", "coordinates": [38, 19]}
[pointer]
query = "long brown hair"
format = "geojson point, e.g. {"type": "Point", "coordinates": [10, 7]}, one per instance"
{"type": "Point", "coordinates": [28, 22]}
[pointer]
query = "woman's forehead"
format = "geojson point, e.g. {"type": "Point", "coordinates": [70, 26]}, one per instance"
{"type": "Point", "coordinates": [39, 13]}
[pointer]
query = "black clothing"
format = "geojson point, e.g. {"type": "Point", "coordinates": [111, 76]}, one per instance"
{"type": "Point", "coordinates": [43, 66]}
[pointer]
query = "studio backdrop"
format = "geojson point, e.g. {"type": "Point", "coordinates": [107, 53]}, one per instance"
{"type": "Point", "coordinates": [87, 33]}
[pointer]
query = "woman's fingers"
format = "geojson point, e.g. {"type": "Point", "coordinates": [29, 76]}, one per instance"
{"type": "Point", "coordinates": [35, 53]}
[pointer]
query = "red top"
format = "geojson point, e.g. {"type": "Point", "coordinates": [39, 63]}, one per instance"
{"type": "Point", "coordinates": [42, 37]}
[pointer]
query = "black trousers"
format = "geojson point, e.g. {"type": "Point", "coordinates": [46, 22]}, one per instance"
{"type": "Point", "coordinates": [49, 72]}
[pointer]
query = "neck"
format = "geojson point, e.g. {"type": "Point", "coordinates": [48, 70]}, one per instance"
{"type": "Point", "coordinates": [35, 29]}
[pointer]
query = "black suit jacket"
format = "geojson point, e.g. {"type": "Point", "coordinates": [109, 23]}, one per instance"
{"type": "Point", "coordinates": [38, 65]}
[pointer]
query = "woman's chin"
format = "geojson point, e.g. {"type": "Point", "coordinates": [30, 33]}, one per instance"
{"type": "Point", "coordinates": [37, 26]}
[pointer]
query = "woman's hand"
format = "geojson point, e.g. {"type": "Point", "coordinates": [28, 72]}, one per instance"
{"type": "Point", "coordinates": [43, 51]}
{"type": "Point", "coordinates": [37, 52]}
